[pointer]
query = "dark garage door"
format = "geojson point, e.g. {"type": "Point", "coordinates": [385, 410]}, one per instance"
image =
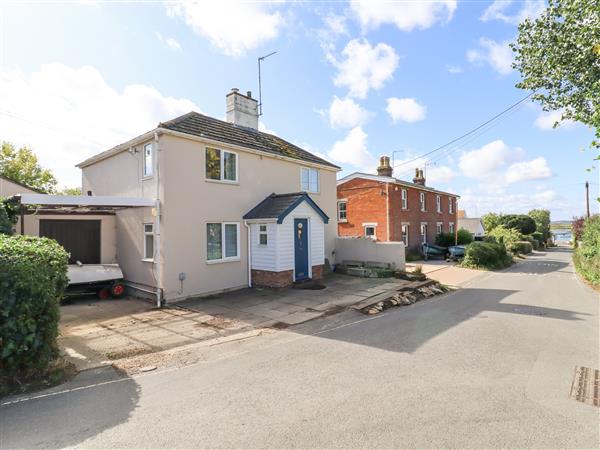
{"type": "Point", "coordinates": [81, 238]}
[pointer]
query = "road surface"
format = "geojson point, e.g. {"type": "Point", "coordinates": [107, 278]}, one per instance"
{"type": "Point", "coordinates": [490, 365]}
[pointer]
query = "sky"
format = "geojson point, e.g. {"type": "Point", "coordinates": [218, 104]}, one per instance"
{"type": "Point", "coordinates": [350, 81]}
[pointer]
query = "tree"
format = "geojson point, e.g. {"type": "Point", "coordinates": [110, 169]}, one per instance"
{"type": "Point", "coordinates": [558, 55]}
{"type": "Point", "coordinates": [490, 221]}
{"type": "Point", "coordinates": [22, 166]}
{"type": "Point", "coordinates": [520, 222]}
{"type": "Point", "coordinates": [6, 224]}
{"type": "Point", "coordinates": [542, 221]}
{"type": "Point", "coordinates": [70, 191]}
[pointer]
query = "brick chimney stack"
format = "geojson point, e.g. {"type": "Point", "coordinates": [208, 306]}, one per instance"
{"type": "Point", "coordinates": [385, 169]}
{"type": "Point", "coordinates": [419, 178]}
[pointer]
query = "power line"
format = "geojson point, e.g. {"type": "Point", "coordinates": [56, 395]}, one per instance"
{"type": "Point", "coordinates": [514, 105]}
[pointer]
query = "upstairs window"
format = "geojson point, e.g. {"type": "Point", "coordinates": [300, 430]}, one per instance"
{"type": "Point", "coordinates": [342, 217]}
{"type": "Point", "coordinates": [221, 165]}
{"type": "Point", "coordinates": [147, 157]}
{"type": "Point", "coordinates": [404, 199]}
{"type": "Point", "coordinates": [438, 203]}
{"type": "Point", "coordinates": [422, 200]}
{"type": "Point", "coordinates": [450, 205]}
{"type": "Point", "coordinates": [309, 180]}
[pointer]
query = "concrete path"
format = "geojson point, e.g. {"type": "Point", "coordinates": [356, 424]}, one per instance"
{"type": "Point", "coordinates": [448, 273]}
{"type": "Point", "coordinates": [488, 366]}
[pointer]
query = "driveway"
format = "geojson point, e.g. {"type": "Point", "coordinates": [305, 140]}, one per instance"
{"type": "Point", "coordinates": [124, 332]}
{"type": "Point", "coordinates": [488, 366]}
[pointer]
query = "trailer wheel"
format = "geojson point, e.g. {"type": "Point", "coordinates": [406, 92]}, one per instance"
{"type": "Point", "coordinates": [103, 293]}
{"type": "Point", "coordinates": [117, 290]}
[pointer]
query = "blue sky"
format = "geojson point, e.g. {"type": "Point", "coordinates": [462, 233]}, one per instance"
{"type": "Point", "coordinates": [350, 81]}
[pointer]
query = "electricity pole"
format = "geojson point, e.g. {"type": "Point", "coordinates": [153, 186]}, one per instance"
{"type": "Point", "coordinates": [587, 199]}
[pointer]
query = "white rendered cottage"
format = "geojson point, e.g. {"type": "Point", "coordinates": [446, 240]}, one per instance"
{"type": "Point", "coordinates": [287, 240]}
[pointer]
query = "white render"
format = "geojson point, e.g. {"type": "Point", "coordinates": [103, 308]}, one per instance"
{"type": "Point", "coordinates": [364, 249]}
{"type": "Point", "coordinates": [278, 254]}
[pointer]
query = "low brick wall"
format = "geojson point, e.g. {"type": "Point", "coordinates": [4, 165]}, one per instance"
{"type": "Point", "coordinates": [266, 278]}
{"type": "Point", "coordinates": [317, 272]}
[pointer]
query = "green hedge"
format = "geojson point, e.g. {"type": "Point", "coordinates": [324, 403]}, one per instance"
{"type": "Point", "coordinates": [521, 247]}
{"type": "Point", "coordinates": [464, 237]}
{"type": "Point", "coordinates": [33, 276]}
{"type": "Point", "coordinates": [444, 239]}
{"type": "Point", "coordinates": [587, 254]}
{"type": "Point", "coordinates": [486, 255]}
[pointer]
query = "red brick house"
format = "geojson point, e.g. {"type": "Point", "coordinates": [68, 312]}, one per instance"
{"type": "Point", "coordinates": [387, 209]}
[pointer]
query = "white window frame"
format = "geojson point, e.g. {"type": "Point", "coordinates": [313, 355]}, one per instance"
{"type": "Point", "coordinates": [403, 235]}
{"type": "Point", "coordinates": [438, 203]}
{"type": "Point", "coordinates": [222, 179]}
{"type": "Point", "coordinates": [224, 258]}
{"type": "Point", "coordinates": [439, 227]}
{"type": "Point", "coordinates": [450, 205]}
{"type": "Point", "coordinates": [310, 169]}
{"type": "Point", "coordinates": [422, 200]}
{"type": "Point", "coordinates": [264, 233]}
{"type": "Point", "coordinates": [370, 225]}
{"type": "Point", "coordinates": [404, 196]}
{"type": "Point", "coordinates": [345, 219]}
{"type": "Point", "coordinates": [423, 233]}
{"type": "Point", "coordinates": [145, 173]}
{"type": "Point", "coordinates": [148, 233]}
{"type": "Point", "coordinates": [451, 227]}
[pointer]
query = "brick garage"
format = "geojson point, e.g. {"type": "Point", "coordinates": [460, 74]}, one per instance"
{"type": "Point", "coordinates": [377, 199]}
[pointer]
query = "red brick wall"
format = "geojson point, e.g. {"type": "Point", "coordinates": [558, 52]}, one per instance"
{"type": "Point", "coordinates": [317, 272]}
{"type": "Point", "coordinates": [266, 278]}
{"type": "Point", "coordinates": [366, 203]}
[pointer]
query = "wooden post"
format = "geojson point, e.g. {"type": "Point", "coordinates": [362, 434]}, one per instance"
{"type": "Point", "coordinates": [22, 220]}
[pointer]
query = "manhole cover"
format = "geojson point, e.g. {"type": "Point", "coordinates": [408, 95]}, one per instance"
{"type": "Point", "coordinates": [586, 385]}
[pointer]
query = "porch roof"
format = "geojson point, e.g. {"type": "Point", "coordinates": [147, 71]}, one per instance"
{"type": "Point", "coordinates": [278, 206]}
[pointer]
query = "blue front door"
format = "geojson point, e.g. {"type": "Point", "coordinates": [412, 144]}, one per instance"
{"type": "Point", "coordinates": [301, 248]}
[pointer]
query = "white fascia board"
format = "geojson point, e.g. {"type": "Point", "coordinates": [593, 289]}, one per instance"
{"type": "Point", "coordinates": [85, 200]}
{"type": "Point", "coordinates": [118, 148]}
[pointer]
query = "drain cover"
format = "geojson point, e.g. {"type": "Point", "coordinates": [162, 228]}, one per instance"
{"type": "Point", "coordinates": [586, 385]}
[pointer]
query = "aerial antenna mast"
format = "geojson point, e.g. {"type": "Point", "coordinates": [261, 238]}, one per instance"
{"type": "Point", "coordinates": [260, 59]}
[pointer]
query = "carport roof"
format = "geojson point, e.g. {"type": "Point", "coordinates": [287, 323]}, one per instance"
{"type": "Point", "coordinates": [80, 203]}
{"type": "Point", "coordinates": [278, 206]}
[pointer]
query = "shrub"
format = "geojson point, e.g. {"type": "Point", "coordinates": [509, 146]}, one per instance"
{"type": "Point", "coordinates": [33, 276]}
{"type": "Point", "coordinates": [524, 224]}
{"type": "Point", "coordinates": [6, 226]}
{"type": "Point", "coordinates": [542, 221]}
{"type": "Point", "coordinates": [521, 247]}
{"type": "Point", "coordinates": [444, 239]}
{"type": "Point", "coordinates": [587, 255]}
{"type": "Point", "coordinates": [464, 237]}
{"type": "Point", "coordinates": [490, 221]}
{"type": "Point", "coordinates": [577, 228]}
{"type": "Point", "coordinates": [506, 236]}
{"type": "Point", "coordinates": [486, 255]}
{"type": "Point", "coordinates": [539, 238]}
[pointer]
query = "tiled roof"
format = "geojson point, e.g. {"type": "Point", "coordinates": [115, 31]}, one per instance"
{"type": "Point", "coordinates": [278, 206]}
{"type": "Point", "coordinates": [200, 125]}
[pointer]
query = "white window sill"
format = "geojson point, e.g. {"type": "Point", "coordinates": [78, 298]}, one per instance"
{"type": "Point", "coordinates": [342, 220]}
{"type": "Point", "coordinates": [147, 177]}
{"type": "Point", "coordinates": [234, 183]}
{"type": "Point", "coordinates": [148, 260]}
{"type": "Point", "coordinates": [221, 261]}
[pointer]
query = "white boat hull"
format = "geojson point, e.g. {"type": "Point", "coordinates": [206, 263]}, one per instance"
{"type": "Point", "coordinates": [93, 273]}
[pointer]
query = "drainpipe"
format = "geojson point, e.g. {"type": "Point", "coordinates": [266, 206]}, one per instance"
{"type": "Point", "coordinates": [157, 219]}
{"type": "Point", "coordinates": [249, 253]}
{"type": "Point", "coordinates": [387, 209]}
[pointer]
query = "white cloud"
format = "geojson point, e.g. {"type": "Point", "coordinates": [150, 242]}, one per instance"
{"type": "Point", "coordinates": [336, 25]}
{"type": "Point", "coordinates": [546, 121]}
{"type": "Point", "coordinates": [536, 169]}
{"type": "Point", "coordinates": [170, 42]}
{"type": "Point", "coordinates": [405, 15]}
{"type": "Point", "coordinates": [262, 127]}
{"type": "Point", "coordinates": [68, 114]}
{"type": "Point", "coordinates": [233, 26]}
{"type": "Point", "coordinates": [440, 174]}
{"type": "Point", "coordinates": [353, 150]}
{"type": "Point", "coordinates": [346, 113]}
{"type": "Point", "coordinates": [497, 55]}
{"type": "Point", "coordinates": [486, 161]}
{"type": "Point", "coordinates": [497, 11]}
{"type": "Point", "coordinates": [364, 67]}
{"type": "Point", "coordinates": [454, 69]}
{"type": "Point", "coordinates": [405, 110]}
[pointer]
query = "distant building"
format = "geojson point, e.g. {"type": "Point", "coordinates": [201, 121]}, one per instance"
{"type": "Point", "coordinates": [385, 208]}
{"type": "Point", "coordinates": [472, 225]}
